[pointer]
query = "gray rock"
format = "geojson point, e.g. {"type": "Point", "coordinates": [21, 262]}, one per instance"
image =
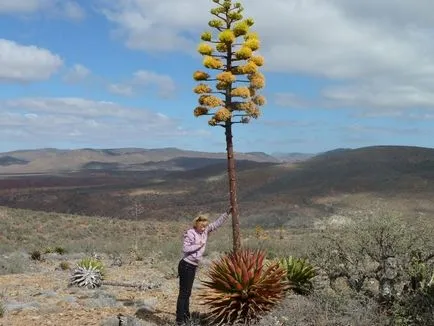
{"type": "Point", "coordinates": [20, 306]}
{"type": "Point", "coordinates": [126, 321]}
{"type": "Point", "coordinates": [101, 299]}
{"type": "Point", "coordinates": [46, 294]}
{"type": "Point", "coordinates": [70, 299]}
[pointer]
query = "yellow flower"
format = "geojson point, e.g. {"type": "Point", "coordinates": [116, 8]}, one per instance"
{"type": "Point", "coordinates": [206, 36]}
{"type": "Point", "coordinates": [241, 92]}
{"type": "Point", "coordinates": [212, 63]}
{"type": "Point", "coordinates": [252, 91]}
{"type": "Point", "coordinates": [200, 75]}
{"type": "Point", "coordinates": [200, 110]}
{"type": "Point", "coordinates": [250, 36]}
{"type": "Point", "coordinates": [210, 100]}
{"type": "Point", "coordinates": [257, 80]}
{"type": "Point", "coordinates": [259, 100]}
{"type": "Point", "coordinates": [227, 36]}
{"type": "Point", "coordinates": [243, 53]}
{"type": "Point", "coordinates": [257, 60]}
{"type": "Point", "coordinates": [202, 89]}
{"type": "Point", "coordinates": [212, 122]}
{"type": "Point", "coordinates": [254, 113]}
{"type": "Point", "coordinates": [245, 106]}
{"type": "Point", "coordinates": [249, 68]}
{"type": "Point", "coordinates": [226, 77]}
{"type": "Point", "coordinates": [205, 49]}
{"type": "Point", "coordinates": [253, 44]}
{"type": "Point", "coordinates": [221, 86]}
{"type": "Point", "coordinates": [234, 16]}
{"type": "Point", "coordinates": [221, 47]}
{"type": "Point", "coordinates": [237, 70]}
{"type": "Point", "coordinates": [216, 23]}
{"type": "Point", "coordinates": [223, 115]}
{"type": "Point", "coordinates": [250, 22]}
{"type": "Point", "coordinates": [241, 28]}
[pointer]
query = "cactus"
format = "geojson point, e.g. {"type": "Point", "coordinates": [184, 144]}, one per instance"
{"type": "Point", "coordinates": [299, 273]}
{"type": "Point", "coordinates": [88, 273]}
{"type": "Point", "coordinates": [241, 288]}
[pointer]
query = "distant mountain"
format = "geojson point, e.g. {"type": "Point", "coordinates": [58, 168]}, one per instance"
{"type": "Point", "coordinates": [10, 160]}
{"type": "Point", "coordinates": [292, 157]}
{"type": "Point", "coordinates": [50, 160]}
{"type": "Point", "coordinates": [270, 190]}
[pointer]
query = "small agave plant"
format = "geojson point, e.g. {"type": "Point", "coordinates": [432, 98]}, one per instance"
{"type": "Point", "coordinates": [299, 273]}
{"type": "Point", "coordinates": [89, 273]}
{"type": "Point", "coordinates": [241, 288]}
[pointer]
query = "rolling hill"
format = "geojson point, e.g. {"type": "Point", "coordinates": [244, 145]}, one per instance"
{"type": "Point", "coordinates": [134, 159]}
{"type": "Point", "coordinates": [176, 187]}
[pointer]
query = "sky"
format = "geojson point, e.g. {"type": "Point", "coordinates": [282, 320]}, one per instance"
{"type": "Point", "coordinates": [118, 73]}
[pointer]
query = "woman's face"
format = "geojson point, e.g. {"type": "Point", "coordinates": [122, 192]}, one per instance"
{"type": "Point", "coordinates": [201, 226]}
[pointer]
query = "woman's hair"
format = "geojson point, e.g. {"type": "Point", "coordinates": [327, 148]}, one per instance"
{"type": "Point", "coordinates": [201, 218]}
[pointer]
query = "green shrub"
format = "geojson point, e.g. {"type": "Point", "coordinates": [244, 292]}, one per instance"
{"type": "Point", "coordinates": [36, 255]}
{"type": "Point", "coordinates": [299, 274]}
{"type": "Point", "coordinates": [64, 265]}
{"type": "Point", "coordinates": [60, 250]}
{"type": "Point", "coordinates": [2, 309]}
{"type": "Point", "coordinates": [48, 250]}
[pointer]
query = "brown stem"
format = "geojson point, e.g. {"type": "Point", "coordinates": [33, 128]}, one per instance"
{"type": "Point", "coordinates": [231, 161]}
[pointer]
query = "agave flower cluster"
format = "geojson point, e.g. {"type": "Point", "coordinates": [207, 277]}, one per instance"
{"type": "Point", "coordinates": [241, 288]}
{"type": "Point", "coordinates": [231, 51]}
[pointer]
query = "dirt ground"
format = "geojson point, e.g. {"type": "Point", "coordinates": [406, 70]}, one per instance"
{"type": "Point", "coordinates": [44, 297]}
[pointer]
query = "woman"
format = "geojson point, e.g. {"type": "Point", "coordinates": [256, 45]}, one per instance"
{"type": "Point", "coordinates": [193, 248]}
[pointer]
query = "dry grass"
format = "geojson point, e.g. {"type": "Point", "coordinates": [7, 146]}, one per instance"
{"type": "Point", "coordinates": [24, 231]}
{"type": "Point", "coordinates": [30, 230]}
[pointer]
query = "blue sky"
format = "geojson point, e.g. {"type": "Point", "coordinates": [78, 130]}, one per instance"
{"type": "Point", "coordinates": [104, 74]}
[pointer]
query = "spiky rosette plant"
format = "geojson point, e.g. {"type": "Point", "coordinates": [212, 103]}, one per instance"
{"type": "Point", "coordinates": [241, 288]}
{"type": "Point", "coordinates": [88, 273]}
{"type": "Point", "coordinates": [299, 273]}
{"type": "Point", "coordinates": [229, 89]}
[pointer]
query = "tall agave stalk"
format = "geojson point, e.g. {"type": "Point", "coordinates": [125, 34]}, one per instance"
{"type": "Point", "coordinates": [230, 93]}
{"type": "Point", "coordinates": [241, 288]}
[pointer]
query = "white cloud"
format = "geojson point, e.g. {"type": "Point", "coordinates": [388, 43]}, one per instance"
{"type": "Point", "coordinates": [369, 46]}
{"type": "Point", "coordinates": [76, 74]}
{"type": "Point", "coordinates": [57, 8]}
{"type": "Point", "coordinates": [79, 120]}
{"type": "Point", "coordinates": [121, 89]}
{"type": "Point", "coordinates": [26, 63]}
{"type": "Point", "coordinates": [290, 100]}
{"type": "Point", "coordinates": [143, 80]}
{"type": "Point", "coordinates": [156, 25]}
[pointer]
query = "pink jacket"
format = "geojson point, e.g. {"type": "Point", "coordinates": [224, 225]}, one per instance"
{"type": "Point", "coordinates": [192, 249]}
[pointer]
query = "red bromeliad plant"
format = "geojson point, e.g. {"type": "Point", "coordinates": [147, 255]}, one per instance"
{"type": "Point", "coordinates": [241, 288]}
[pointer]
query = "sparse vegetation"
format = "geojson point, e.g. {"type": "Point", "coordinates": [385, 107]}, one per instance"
{"type": "Point", "coordinates": [60, 250]}
{"type": "Point", "coordinates": [2, 309]}
{"type": "Point", "coordinates": [36, 255]}
{"type": "Point", "coordinates": [353, 249]}
{"type": "Point", "coordinates": [64, 266]}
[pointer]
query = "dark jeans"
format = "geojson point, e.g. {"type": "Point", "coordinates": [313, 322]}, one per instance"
{"type": "Point", "coordinates": [186, 272]}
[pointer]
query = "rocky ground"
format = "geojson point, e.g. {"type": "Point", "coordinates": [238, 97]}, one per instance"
{"type": "Point", "coordinates": [42, 295]}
